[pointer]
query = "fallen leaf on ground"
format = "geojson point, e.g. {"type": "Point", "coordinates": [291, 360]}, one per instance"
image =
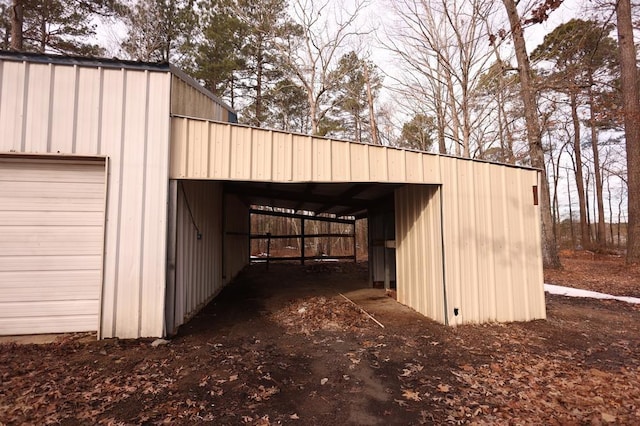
{"type": "Point", "coordinates": [411, 394]}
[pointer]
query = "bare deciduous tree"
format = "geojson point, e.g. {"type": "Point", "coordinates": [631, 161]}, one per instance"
{"type": "Point", "coordinates": [327, 28]}
{"type": "Point", "coordinates": [445, 49]}
{"type": "Point", "coordinates": [536, 152]}
{"type": "Point", "coordinates": [631, 102]}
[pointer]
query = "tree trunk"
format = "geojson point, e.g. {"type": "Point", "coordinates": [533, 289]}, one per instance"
{"type": "Point", "coordinates": [585, 241]}
{"type": "Point", "coordinates": [506, 137]}
{"type": "Point", "coordinates": [17, 19]}
{"type": "Point", "coordinates": [610, 209]}
{"type": "Point", "coordinates": [631, 102]}
{"type": "Point", "coordinates": [573, 236]}
{"type": "Point", "coordinates": [549, 249]}
{"type": "Point", "coordinates": [455, 119]}
{"type": "Point", "coordinates": [313, 112]}
{"type": "Point", "coordinates": [372, 117]}
{"type": "Point", "coordinates": [601, 230]}
{"type": "Point", "coordinates": [259, 74]}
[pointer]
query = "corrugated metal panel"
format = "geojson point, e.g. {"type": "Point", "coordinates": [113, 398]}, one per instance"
{"type": "Point", "coordinates": [492, 243]}
{"type": "Point", "coordinates": [244, 153]}
{"type": "Point", "coordinates": [490, 227]}
{"type": "Point", "coordinates": [198, 247]}
{"type": "Point", "coordinates": [51, 244]}
{"type": "Point", "coordinates": [236, 243]}
{"type": "Point", "coordinates": [419, 250]}
{"type": "Point", "coordinates": [124, 115]}
{"type": "Point", "coordinates": [191, 100]}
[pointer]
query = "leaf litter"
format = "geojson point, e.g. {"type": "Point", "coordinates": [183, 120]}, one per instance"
{"type": "Point", "coordinates": [580, 366]}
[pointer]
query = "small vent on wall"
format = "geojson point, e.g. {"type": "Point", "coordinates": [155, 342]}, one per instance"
{"type": "Point", "coordinates": [535, 195]}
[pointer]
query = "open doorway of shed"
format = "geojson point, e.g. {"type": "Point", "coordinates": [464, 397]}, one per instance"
{"type": "Point", "coordinates": [211, 237]}
{"type": "Point", "coordinates": [322, 222]}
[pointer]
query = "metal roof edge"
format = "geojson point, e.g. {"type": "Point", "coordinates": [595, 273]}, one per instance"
{"type": "Point", "coordinates": [85, 61]}
{"type": "Point", "coordinates": [88, 61]}
{"type": "Point", "coordinates": [199, 87]}
{"type": "Point", "coordinates": [433, 154]}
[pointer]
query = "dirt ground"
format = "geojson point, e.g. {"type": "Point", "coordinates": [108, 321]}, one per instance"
{"type": "Point", "coordinates": [283, 347]}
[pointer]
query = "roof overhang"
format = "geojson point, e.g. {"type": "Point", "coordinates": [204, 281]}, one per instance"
{"type": "Point", "coordinates": [339, 199]}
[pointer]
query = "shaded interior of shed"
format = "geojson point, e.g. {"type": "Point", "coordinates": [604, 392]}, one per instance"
{"type": "Point", "coordinates": [339, 199]}
{"type": "Point", "coordinates": [321, 206]}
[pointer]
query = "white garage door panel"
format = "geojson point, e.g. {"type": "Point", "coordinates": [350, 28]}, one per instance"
{"type": "Point", "coordinates": [50, 309]}
{"type": "Point", "coordinates": [62, 285]}
{"type": "Point", "coordinates": [57, 218]}
{"type": "Point", "coordinates": [48, 263]}
{"type": "Point", "coordinates": [48, 171]}
{"type": "Point", "coordinates": [51, 244]}
{"type": "Point", "coordinates": [35, 325]}
{"type": "Point", "coordinates": [45, 240]}
{"type": "Point", "coordinates": [47, 190]}
{"type": "Point", "coordinates": [43, 205]}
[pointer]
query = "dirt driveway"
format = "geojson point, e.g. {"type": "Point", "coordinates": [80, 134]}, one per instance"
{"type": "Point", "coordinates": [284, 348]}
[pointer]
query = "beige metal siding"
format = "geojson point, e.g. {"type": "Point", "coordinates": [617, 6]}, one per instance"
{"type": "Point", "coordinates": [198, 260]}
{"type": "Point", "coordinates": [236, 243]}
{"type": "Point", "coordinates": [209, 150]}
{"type": "Point", "coordinates": [191, 100]}
{"type": "Point", "coordinates": [419, 250]}
{"type": "Point", "coordinates": [51, 243]}
{"type": "Point", "coordinates": [490, 227]}
{"type": "Point", "coordinates": [121, 114]}
{"type": "Point", "coordinates": [492, 243]}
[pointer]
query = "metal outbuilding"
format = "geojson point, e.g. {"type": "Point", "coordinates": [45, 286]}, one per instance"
{"type": "Point", "coordinates": [124, 203]}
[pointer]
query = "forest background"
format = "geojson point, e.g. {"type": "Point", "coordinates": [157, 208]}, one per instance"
{"type": "Point", "coordinates": [541, 83]}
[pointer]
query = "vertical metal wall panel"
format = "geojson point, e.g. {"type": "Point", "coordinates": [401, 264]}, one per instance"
{"type": "Point", "coordinates": [12, 101]}
{"type": "Point", "coordinates": [240, 153]}
{"type": "Point", "coordinates": [396, 165]}
{"type": "Point", "coordinates": [302, 158]}
{"type": "Point", "coordinates": [154, 215]}
{"type": "Point", "coordinates": [282, 157]}
{"type": "Point", "coordinates": [191, 100]}
{"type": "Point", "coordinates": [340, 161]}
{"type": "Point", "coordinates": [321, 165]}
{"type": "Point", "coordinates": [236, 244]}
{"type": "Point", "coordinates": [501, 251]}
{"type": "Point", "coordinates": [261, 152]}
{"type": "Point", "coordinates": [198, 259]}
{"type": "Point", "coordinates": [419, 250]}
{"type": "Point", "coordinates": [414, 167]}
{"type": "Point", "coordinates": [178, 152]}
{"type": "Point", "coordinates": [197, 157]}
{"type": "Point", "coordinates": [37, 106]}
{"type": "Point", "coordinates": [378, 164]}
{"type": "Point", "coordinates": [88, 100]}
{"type": "Point", "coordinates": [359, 162]}
{"type": "Point", "coordinates": [492, 243]}
{"type": "Point", "coordinates": [131, 205]}
{"type": "Point", "coordinates": [63, 107]}
{"type": "Point", "coordinates": [453, 253]}
{"type": "Point", "coordinates": [466, 290]}
{"type": "Point", "coordinates": [220, 153]}
{"type": "Point", "coordinates": [122, 114]}
{"type": "Point", "coordinates": [486, 264]}
{"type": "Point", "coordinates": [431, 168]}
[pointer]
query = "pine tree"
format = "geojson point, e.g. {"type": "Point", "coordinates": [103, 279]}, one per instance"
{"type": "Point", "coordinates": [160, 30]}
{"type": "Point", "coordinates": [218, 57]}
{"type": "Point", "coordinates": [59, 26]}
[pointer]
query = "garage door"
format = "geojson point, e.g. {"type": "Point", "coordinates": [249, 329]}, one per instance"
{"type": "Point", "coordinates": [51, 244]}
